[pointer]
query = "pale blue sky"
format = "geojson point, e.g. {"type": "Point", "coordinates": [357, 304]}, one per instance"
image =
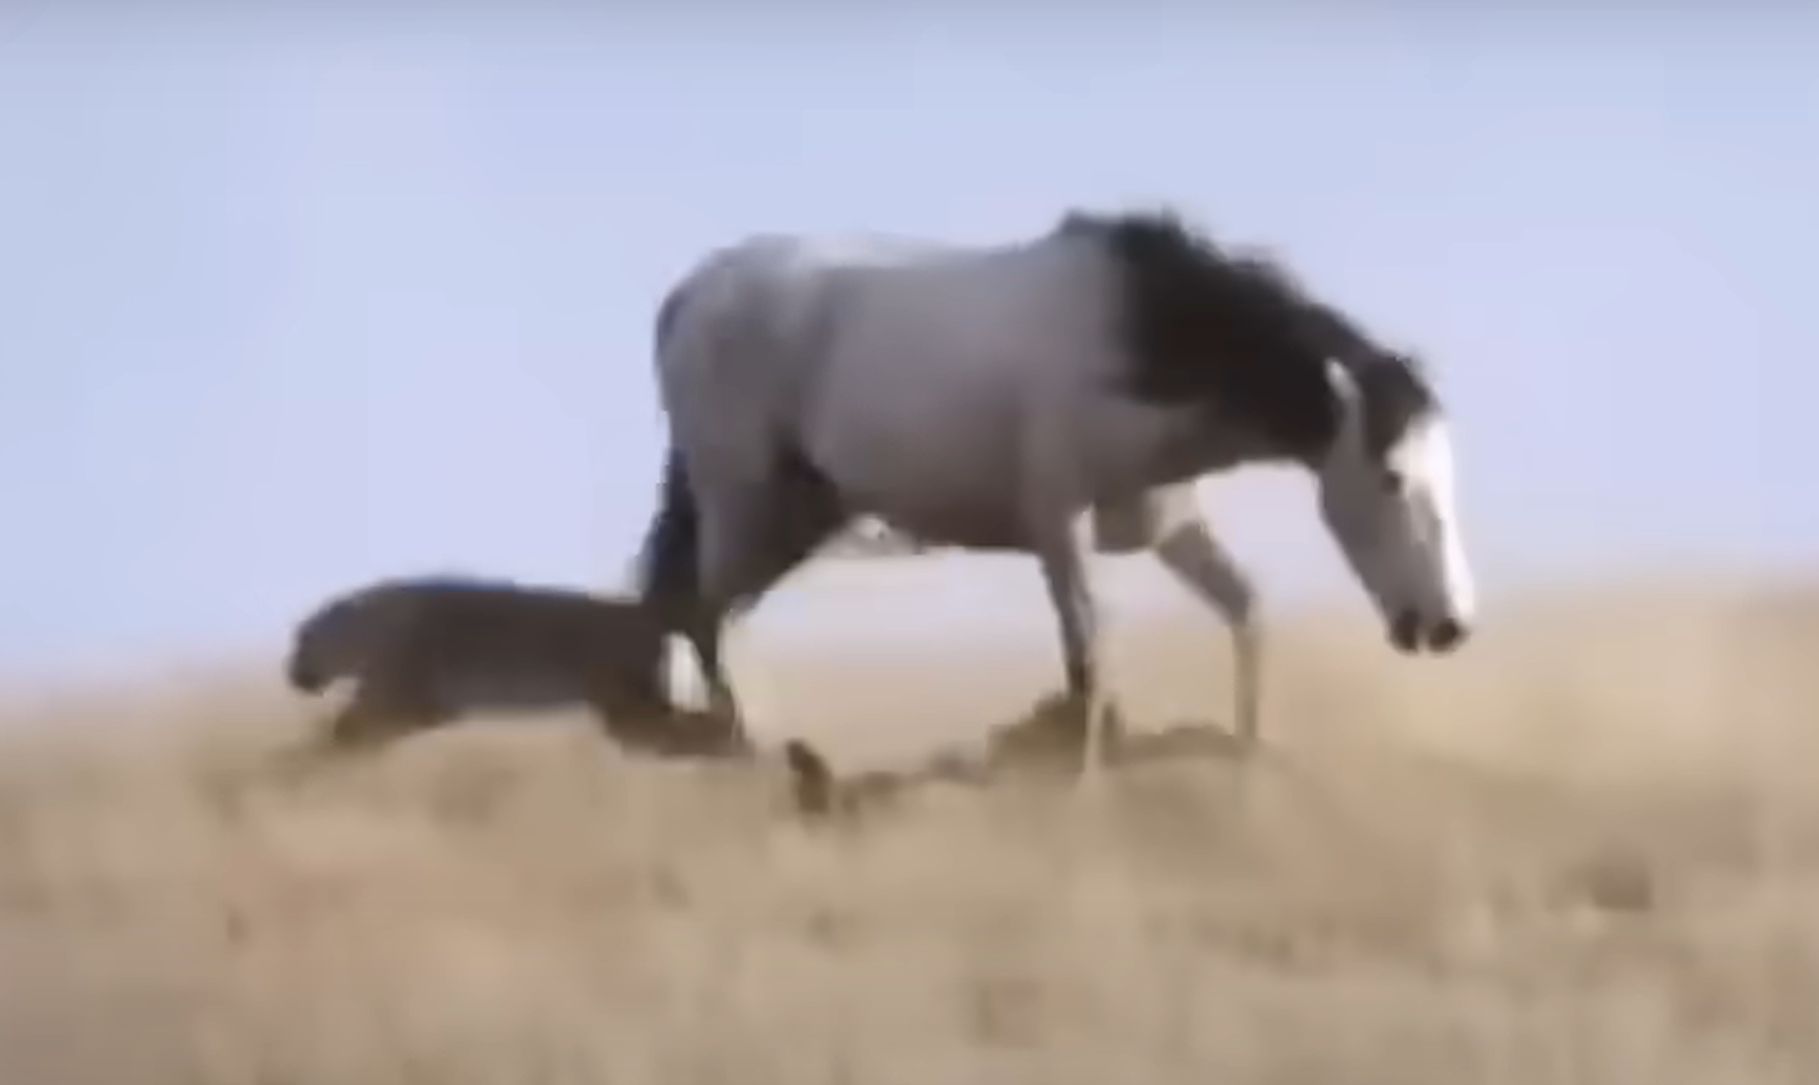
{"type": "Point", "coordinates": [291, 303]}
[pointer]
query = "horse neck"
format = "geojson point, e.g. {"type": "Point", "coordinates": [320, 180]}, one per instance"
{"type": "Point", "coordinates": [1201, 440]}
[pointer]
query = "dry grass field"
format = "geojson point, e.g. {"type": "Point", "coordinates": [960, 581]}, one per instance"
{"type": "Point", "coordinates": [1584, 850]}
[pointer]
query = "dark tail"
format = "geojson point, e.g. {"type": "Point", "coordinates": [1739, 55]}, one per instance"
{"type": "Point", "coordinates": [670, 570]}
{"type": "Point", "coordinates": [668, 566]}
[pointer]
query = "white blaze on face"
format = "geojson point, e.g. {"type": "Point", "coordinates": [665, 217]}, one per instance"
{"type": "Point", "coordinates": [1423, 460]}
{"type": "Point", "coordinates": [1395, 521]}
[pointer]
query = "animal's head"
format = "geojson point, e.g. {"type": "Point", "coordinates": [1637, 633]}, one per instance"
{"type": "Point", "coordinates": [1386, 493]}
{"type": "Point", "coordinates": [1236, 334]}
{"type": "Point", "coordinates": [321, 645]}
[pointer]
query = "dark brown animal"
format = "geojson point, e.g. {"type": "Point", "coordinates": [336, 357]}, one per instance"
{"type": "Point", "coordinates": [424, 651]}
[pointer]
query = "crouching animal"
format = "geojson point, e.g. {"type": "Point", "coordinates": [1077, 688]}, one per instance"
{"type": "Point", "coordinates": [425, 651]}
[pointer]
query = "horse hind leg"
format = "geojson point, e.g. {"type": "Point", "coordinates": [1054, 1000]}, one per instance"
{"type": "Point", "coordinates": [752, 538]}
{"type": "Point", "coordinates": [701, 626]}
{"type": "Point", "coordinates": [669, 571]}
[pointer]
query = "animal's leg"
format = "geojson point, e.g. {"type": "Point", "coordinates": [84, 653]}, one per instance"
{"type": "Point", "coordinates": [751, 540]}
{"type": "Point", "coordinates": [1187, 548]}
{"type": "Point", "coordinates": [311, 751]}
{"type": "Point", "coordinates": [1064, 556]}
{"type": "Point", "coordinates": [628, 701]}
{"type": "Point", "coordinates": [360, 726]}
{"type": "Point", "coordinates": [396, 697]}
{"type": "Point", "coordinates": [669, 566]}
{"type": "Point", "coordinates": [728, 528]}
{"type": "Point", "coordinates": [700, 625]}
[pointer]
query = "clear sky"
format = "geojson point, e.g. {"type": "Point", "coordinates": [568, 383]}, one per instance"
{"type": "Point", "coordinates": [293, 302]}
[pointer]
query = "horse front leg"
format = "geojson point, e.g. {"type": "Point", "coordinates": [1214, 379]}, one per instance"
{"type": "Point", "coordinates": [1065, 553]}
{"type": "Point", "coordinates": [1187, 548]}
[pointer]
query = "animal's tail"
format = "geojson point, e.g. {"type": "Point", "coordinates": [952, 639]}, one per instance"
{"type": "Point", "coordinates": [669, 572]}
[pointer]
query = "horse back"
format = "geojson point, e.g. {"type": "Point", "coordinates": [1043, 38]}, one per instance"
{"type": "Point", "coordinates": [903, 372]}
{"type": "Point", "coordinates": [941, 387]}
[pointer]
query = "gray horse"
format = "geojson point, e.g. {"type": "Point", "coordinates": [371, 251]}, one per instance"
{"type": "Point", "coordinates": [1056, 396]}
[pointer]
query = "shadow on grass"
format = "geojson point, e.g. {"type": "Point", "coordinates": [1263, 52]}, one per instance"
{"type": "Point", "coordinates": [1049, 741]}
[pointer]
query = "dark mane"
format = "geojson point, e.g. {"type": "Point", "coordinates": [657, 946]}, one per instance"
{"type": "Point", "coordinates": [1204, 324]}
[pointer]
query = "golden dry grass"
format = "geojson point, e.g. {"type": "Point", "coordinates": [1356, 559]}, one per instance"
{"type": "Point", "coordinates": [1587, 850]}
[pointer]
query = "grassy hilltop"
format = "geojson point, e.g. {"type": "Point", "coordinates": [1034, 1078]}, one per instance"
{"type": "Point", "coordinates": [1586, 849]}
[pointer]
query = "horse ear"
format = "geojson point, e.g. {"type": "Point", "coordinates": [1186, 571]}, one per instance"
{"type": "Point", "coordinates": [1339, 379]}
{"type": "Point", "coordinates": [1344, 388]}
{"type": "Point", "coordinates": [1347, 400]}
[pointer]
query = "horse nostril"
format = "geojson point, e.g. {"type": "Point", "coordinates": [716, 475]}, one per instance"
{"type": "Point", "coordinates": [1405, 631]}
{"type": "Point", "coordinates": [1447, 634]}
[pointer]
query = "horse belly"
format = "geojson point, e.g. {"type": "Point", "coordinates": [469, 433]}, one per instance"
{"type": "Point", "coordinates": [982, 524]}
{"type": "Point", "coordinates": [953, 489]}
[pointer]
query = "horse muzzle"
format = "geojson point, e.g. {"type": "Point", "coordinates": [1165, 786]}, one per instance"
{"type": "Point", "coordinates": [1410, 633]}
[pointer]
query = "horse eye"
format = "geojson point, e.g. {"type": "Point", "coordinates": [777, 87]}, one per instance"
{"type": "Point", "coordinates": [1394, 483]}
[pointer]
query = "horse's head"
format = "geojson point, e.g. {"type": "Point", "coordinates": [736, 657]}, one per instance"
{"type": "Point", "coordinates": [1386, 493]}
{"type": "Point", "coordinates": [1236, 331]}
